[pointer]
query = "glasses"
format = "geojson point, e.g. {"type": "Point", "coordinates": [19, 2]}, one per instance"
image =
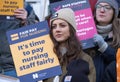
{"type": "Point", "coordinates": [105, 7]}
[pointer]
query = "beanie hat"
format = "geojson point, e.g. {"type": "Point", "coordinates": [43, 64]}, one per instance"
{"type": "Point", "coordinates": [112, 3]}
{"type": "Point", "coordinates": [77, 71]}
{"type": "Point", "coordinates": [66, 14]}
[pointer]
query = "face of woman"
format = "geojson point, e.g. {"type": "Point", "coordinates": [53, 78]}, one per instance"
{"type": "Point", "coordinates": [60, 30]}
{"type": "Point", "coordinates": [104, 13]}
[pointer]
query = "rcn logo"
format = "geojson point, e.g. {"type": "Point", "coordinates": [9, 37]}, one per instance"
{"type": "Point", "coordinates": [35, 76]}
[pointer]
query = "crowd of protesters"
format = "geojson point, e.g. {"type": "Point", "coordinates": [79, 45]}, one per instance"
{"type": "Point", "coordinates": [96, 64]}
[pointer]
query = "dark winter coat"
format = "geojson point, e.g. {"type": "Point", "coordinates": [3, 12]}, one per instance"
{"type": "Point", "coordinates": [102, 60]}
{"type": "Point", "coordinates": [110, 74]}
{"type": "Point", "coordinates": [88, 65]}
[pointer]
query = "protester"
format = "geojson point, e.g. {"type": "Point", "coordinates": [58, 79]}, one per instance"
{"type": "Point", "coordinates": [107, 40]}
{"type": "Point", "coordinates": [22, 17]}
{"type": "Point", "coordinates": [76, 65]}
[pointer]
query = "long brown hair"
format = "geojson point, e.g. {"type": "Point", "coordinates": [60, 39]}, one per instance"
{"type": "Point", "coordinates": [116, 32]}
{"type": "Point", "coordinates": [72, 44]}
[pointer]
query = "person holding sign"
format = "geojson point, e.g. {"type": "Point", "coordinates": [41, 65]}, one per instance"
{"type": "Point", "coordinates": [107, 40]}
{"type": "Point", "coordinates": [24, 16]}
{"type": "Point", "coordinates": [76, 65]}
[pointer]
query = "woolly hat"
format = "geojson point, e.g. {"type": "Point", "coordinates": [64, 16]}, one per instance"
{"type": "Point", "coordinates": [112, 3]}
{"type": "Point", "coordinates": [66, 14]}
{"type": "Point", "coordinates": [77, 71]}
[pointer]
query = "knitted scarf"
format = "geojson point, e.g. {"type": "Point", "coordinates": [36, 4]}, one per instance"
{"type": "Point", "coordinates": [105, 31]}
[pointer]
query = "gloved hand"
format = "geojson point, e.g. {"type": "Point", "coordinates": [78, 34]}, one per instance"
{"type": "Point", "coordinates": [98, 39]}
